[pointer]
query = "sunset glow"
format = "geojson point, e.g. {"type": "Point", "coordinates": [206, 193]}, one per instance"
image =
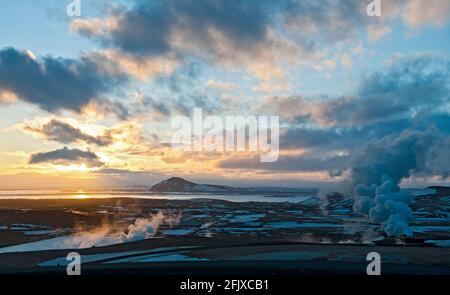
{"type": "Point", "coordinates": [111, 122]}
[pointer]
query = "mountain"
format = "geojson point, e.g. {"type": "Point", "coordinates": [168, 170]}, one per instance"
{"type": "Point", "coordinates": [180, 185]}
{"type": "Point", "coordinates": [177, 184]}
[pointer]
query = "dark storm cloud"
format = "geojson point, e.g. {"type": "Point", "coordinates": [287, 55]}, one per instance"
{"type": "Point", "coordinates": [408, 86]}
{"type": "Point", "coordinates": [210, 105]}
{"type": "Point", "coordinates": [419, 144]}
{"type": "Point", "coordinates": [332, 21]}
{"type": "Point", "coordinates": [150, 27]}
{"type": "Point", "coordinates": [304, 163]}
{"type": "Point", "coordinates": [397, 124]}
{"type": "Point", "coordinates": [67, 156]}
{"type": "Point", "coordinates": [182, 78]}
{"type": "Point", "coordinates": [349, 137]}
{"type": "Point", "coordinates": [65, 133]}
{"type": "Point", "coordinates": [161, 108]}
{"type": "Point", "coordinates": [421, 149]}
{"type": "Point", "coordinates": [342, 136]}
{"type": "Point", "coordinates": [146, 29]}
{"type": "Point", "coordinates": [400, 156]}
{"type": "Point", "coordinates": [54, 83]}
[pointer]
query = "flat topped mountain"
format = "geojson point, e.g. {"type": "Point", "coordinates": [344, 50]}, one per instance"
{"type": "Point", "coordinates": [178, 184]}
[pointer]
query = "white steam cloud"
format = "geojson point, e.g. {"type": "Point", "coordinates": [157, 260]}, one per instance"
{"type": "Point", "coordinates": [386, 204]}
{"type": "Point", "coordinates": [381, 168]}
{"type": "Point", "coordinates": [142, 228]}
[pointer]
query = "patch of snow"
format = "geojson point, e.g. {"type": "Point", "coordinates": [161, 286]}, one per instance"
{"type": "Point", "coordinates": [291, 224]}
{"type": "Point", "coordinates": [340, 211]}
{"type": "Point", "coordinates": [165, 257]}
{"type": "Point", "coordinates": [65, 242]}
{"type": "Point", "coordinates": [295, 211]}
{"type": "Point", "coordinates": [430, 228]}
{"type": "Point", "coordinates": [177, 231]}
{"type": "Point", "coordinates": [285, 255]}
{"type": "Point", "coordinates": [62, 261]}
{"type": "Point", "coordinates": [198, 216]}
{"type": "Point", "coordinates": [38, 232]}
{"type": "Point", "coordinates": [431, 219]}
{"type": "Point", "coordinates": [424, 192]}
{"type": "Point", "coordinates": [439, 243]}
{"type": "Point", "coordinates": [247, 218]}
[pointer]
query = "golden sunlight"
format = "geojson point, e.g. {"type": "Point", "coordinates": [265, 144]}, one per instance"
{"type": "Point", "coordinates": [81, 197]}
{"type": "Point", "coordinates": [75, 168]}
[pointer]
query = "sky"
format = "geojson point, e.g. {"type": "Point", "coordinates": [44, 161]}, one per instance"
{"type": "Point", "coordinates": [87, 101]}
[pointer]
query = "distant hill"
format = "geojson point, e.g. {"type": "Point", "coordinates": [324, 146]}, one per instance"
{"type": "Point", "coordinates": [180, 185]}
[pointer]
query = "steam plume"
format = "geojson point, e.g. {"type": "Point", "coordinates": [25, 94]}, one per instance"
{"type": "Point", "coordinates": [380, 169]}
{"type": "Point", "coordinates": [143, 228]}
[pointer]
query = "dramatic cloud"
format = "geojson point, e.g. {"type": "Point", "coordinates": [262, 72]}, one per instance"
{"type": "Point", "coordinates": [299, 59]}
{"type": "Point", "coordinates": [232, 32]}
{"type": "Point", "coordinates": [399, 157]}
{"type": "Point", "coordinates": [407, 87]}
{"type": "Point", "coordinates": [151, 28]}
{"type": "Point", "coordinates": [141, 68]}
{"type": "Point", "coordinates": [309, 162]}
{"type": "Point", "coordinates": [417, 13]}
{"type": "Point", "coordinates": [153, 38]}
{"type": "Point", "coordinates": [54, 83]}
{"type": "Point", "coordinates": [338, 137]}
{"type": "Point", "coordinates": [65, 133]}
{"type": "Point", "coordinates": [67, 156]}
{"type": "Point", "coordinates": [397, 123]}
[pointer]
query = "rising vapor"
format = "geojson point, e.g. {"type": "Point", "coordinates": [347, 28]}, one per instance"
{"type": "Point", "coordinates": [383, 165]}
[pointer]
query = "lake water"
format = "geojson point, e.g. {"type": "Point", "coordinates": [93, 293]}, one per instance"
{"type": "Point", "coordinates": [60, 194]}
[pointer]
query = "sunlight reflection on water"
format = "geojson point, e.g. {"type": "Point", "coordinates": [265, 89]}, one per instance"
{"type": "Point", "coordinates": [57, 194]}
